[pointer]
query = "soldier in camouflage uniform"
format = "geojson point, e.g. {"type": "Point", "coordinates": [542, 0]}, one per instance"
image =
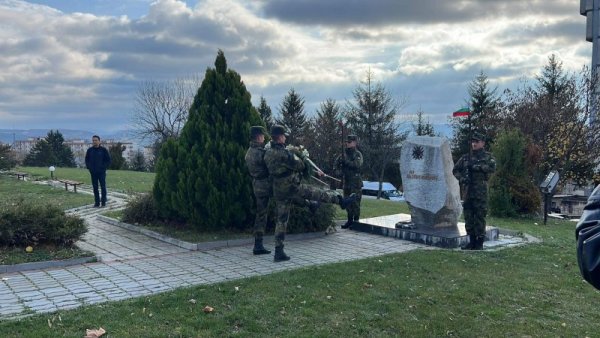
{"type": "Point", "coordinates": [473, 171]}
{"type": "Point", "coordinates": [350, 165]}
{"type": "Point", "coordinates": [286, 168]}
{"type": "Point", "coordinates": [261, 185]}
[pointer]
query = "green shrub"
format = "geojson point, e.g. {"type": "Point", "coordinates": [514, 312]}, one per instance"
{"type": "Point", "coordinates": [141, 209]}
{"type": "Point", "coordinates": [23, 224]}
{"type": "Point", "coordinates": [301, 220]}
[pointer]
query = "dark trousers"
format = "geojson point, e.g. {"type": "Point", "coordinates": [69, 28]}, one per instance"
{"type": "Point", "coordinates": [99, 178]}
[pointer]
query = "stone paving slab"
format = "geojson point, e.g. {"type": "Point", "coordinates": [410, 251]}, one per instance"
{"type": "Point", "coordinates": [92, 283]}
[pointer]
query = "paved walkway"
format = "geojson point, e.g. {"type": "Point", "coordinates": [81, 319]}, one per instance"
{"type": "Point", "coordinates": [133, 265]}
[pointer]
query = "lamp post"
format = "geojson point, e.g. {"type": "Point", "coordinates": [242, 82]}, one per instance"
{"type": "Point", "coordinates": [51, 168]}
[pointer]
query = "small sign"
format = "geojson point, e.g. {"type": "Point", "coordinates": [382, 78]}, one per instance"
{"type": "Point", "coordinates": [549, 184]}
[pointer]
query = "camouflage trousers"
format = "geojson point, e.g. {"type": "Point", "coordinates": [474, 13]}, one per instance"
{"type": "Point", "coordinates": [475, 212]}
{"type": "Point", "coordinates": [353, 210]}
{"type": "Point", "coordinates": [303, 193]}
{"type": "Point", "coordinates": [262, 211]}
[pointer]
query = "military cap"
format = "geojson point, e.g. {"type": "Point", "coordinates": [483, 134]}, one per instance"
{"type": "Point", "coordinates": [256, 130]}
{"type": "Point", "coordinates": [351, 138]}
{"type": "Point", "coordinates": [477, 136]}
{"type": "Point", "coordinates": [277, 130]}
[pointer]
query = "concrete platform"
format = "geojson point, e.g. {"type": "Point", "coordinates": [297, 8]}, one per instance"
{"type": "Point", "coordinates": [399, 226]}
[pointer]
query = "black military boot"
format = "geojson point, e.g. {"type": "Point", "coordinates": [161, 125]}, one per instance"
{"type": "Point", "coordinates": [479, 243]}
{"type": "Point", "coordinates": [471, 244]}
{"type": "Point", "coordinates": [280, 256]}
{"type": "Point", "coordinates": [344, 202]}
{"type": "Point", "coordinates": [348, 223]}
{"type": "Point", "coordinates": [259, 249]}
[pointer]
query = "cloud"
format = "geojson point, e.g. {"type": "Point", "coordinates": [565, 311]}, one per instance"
{"type": "Point", "coordinates": [78, 66]}
{"type": "Point", "coordinates": [394, 12]}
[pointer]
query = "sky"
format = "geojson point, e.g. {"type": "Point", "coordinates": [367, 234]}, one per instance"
{"type": "Point", "coordinates": [78, 64]}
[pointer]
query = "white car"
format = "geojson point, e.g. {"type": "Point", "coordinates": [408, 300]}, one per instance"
{"type": "Point", "coordinates": [388, 191]}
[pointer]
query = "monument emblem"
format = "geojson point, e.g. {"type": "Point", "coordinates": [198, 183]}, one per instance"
{"type": "Point", "coordinates": [417, 153]}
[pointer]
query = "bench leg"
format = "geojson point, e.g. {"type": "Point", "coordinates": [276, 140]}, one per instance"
{"type": "Point", "coordinates": [75, 188]}
{"type": "Point", "coordinates": [66, 187]}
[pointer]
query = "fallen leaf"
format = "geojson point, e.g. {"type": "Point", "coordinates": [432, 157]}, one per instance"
{"type": "Point", "coordinates": [193, 301]}
{"type": "Point", "coordinates": [564, 324]}
{"type": "Point", "coordinates": [299, 286]}
{"type": "Point", "coordinates": [95, 333]}
{"type": "Point", "coordinates": [208, 309]}
{"type": "Point", "coordinates": [367, 285]}
{"type": "Point", "coordinates": [328, 297]}
{"type": "Point", "coordinates": [237, 288]}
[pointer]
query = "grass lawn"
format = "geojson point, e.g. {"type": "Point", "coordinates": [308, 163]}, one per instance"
{"type": "Point", "coordinates": [13, 191]}
{"type": "Point", "coordinates": [17, 191]}
{"type": "Point", "coordinates": [529, 291]}
{"type": "Point", "coordinates": [119, 180]}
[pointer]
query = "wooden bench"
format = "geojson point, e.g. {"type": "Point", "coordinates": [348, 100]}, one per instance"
{"type": "Point", "coordinates": [69, 182]}
{"type": "Point", "coordinates": [21, 175]}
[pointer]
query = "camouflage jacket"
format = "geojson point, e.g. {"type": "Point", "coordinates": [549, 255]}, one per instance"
{"type": "Point", "coordinates": [285, 169]}
{"type": "Point", "coordinates": [480, 169]}
{"type": "Point", "coordinates": [258, 169]}
{"type": "Point", "coordinates": [350, 167]}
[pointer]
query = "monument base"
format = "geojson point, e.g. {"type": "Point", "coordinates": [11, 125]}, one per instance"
{"type": "Point", "coordinates": [399, 226]}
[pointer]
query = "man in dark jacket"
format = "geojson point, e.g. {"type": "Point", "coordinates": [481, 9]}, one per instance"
{"type": "Point", "coordinates": [587, 235]}
{"type": "Point", "coordinates": [97, 160]}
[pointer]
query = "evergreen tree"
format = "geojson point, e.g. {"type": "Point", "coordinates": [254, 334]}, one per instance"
{"type": "Point", "coordinates": [117, 161]}
{"type": "Point", "coordinates": [202, 177]}
{"type": "Point", "coordinates": [138, 162]}
{"type": "Point", "coordinates": [50, 151]}
{"type": "Point", "coordinates": [423, 127]}
{"type": "Point", "coordinates": [293, 117]}
{"type": "Point", "coordinates": [484, 117]}
{"type": "Point", "coordinates": [7, 157]}
{"type": "Point", "coordinates": [265, 113]}
{"type": "Point", "coordinates": [512, 190]}
{"type": "Point", "coordinates": [555, 115]}
{"type": "Point", "coordinates": [326, 143]}
{"type": "Point", "coordinates": [372, 117]}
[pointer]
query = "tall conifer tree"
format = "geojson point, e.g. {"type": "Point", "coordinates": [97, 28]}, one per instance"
{"type": "Point", "coordinates": [201, 177]}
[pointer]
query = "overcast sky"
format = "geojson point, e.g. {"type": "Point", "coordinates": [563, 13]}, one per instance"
{"type": "Point", "coordinates": [77, 63]}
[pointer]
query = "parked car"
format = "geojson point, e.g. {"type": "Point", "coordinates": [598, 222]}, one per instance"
{"type": "Point", "coordinates": [388, 191]}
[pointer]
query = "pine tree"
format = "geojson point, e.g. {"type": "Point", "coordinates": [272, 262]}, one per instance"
{"type": "Point", "coordinates": [483, 104]}
{"type": "Point", "coordinates": [372, 117]}
{"type": "Point", "coordinates": [326, 143]}
{"type": "Point", "coordinates": [512, 190]}
{"type": "Point", "coordinates": [293, 117]}
{"type": "Point", "coordinates": [202, 177]}
{"type": "Point", "coordinates": [50, 151]}
{"type": "Point", "coordinates": [117, 161]}
{"type": "Point", "coordinates": [138, 162]}
{"type": "Point", "coordinates": [423, 127]}
{"type": "Point", "coordinates": [265, 113]}
{"type": "Point", "coordinates": [7, 157]}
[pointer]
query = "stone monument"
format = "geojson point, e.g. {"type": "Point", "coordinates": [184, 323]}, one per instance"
{"type": "Point", "coordinates": [431, 191]}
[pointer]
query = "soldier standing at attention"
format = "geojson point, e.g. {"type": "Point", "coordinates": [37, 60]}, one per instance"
{"type": "Point", "coordinates": [473, 171]}
{"type": "Point", "coordinates": [285, 168]}
{"type": "Point", "coordinates": [261, 185]}
{"type": "Point", "coordinates": [350, 165]}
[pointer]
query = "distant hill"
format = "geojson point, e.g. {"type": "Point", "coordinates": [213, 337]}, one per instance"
{"type": "Point", "coordinates": [11, 135]}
